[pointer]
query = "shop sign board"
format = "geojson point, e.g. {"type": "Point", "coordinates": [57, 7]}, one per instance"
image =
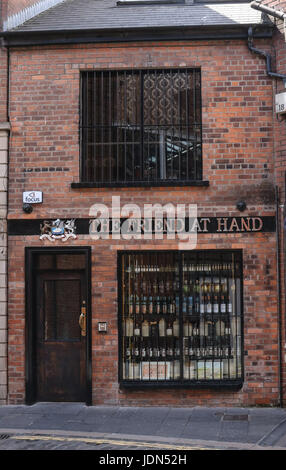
{"type": "Point", "coordinates": [32, 197]}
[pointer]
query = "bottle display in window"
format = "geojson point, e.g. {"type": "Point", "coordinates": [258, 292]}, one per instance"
{"type": "Point", "coordinates": [181, 316]}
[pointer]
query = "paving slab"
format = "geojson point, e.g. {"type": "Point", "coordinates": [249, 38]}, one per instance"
{"type": "Point", "coordinates": [241, 426]}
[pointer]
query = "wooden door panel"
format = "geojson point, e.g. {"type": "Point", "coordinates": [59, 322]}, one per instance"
{"type": "Point", "coordinates": [60, 347]}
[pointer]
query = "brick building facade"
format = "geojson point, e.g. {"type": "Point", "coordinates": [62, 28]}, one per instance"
{"type": "Point", "coordinates": [56, 79]}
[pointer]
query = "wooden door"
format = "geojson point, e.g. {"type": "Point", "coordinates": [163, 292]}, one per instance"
{"type": "Point", "coordinates": [60, 343]}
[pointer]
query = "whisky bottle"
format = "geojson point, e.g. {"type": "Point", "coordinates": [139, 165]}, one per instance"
{"type": "Point", "coordinates": [176, 328]}
{"type": "Point", "coordinates": [129, 327]}
{"type": "Point", "coordinates": [185, 287]}
{"type": "Point", "coordinates": [150, 305]}
{"type": "Point", "coordinates": [161, 286]}
{"type": "Point", "coordinates": [137, 305]}
{"type": "Point", "coordinates": [150, 350]}
{"type": "Point", "coordinates": [188, 328]}
{"type": "Point", "coordinates": [144, 305]}
{"type": "Point", "coordinates": [191, 347]}
{"type": "Point", "coordinates": [196, 341]}
{"type": "Point", "coordinates": [227, 334]}
{"type": "Point", "coordinates": [145, 329]}
{"type": "Point", "coordinates": [224, 286]}
{"type": "Point", "coordinates": [177, 349]}
{"type": "Point", "coordinates": [155, 287]}
{"type": "Point", "coordinates": [162, 327]}
{"type": "Point", "coordinates": [169, 305]}
{"type": "Point", "coordinates": [128, 351]}
{"type": "Point", "coordinates": [170, 349]}
{"type": "Point", "coordinates": [172, 306]}
{"type": "Point", "coordinates": [164, 306]}
{"type": "Point", "coordinates": [215, 305]}
{"type": "Point", "coordinates": [202, 305]}
{"type": "Point", "coordinates": [203, 330]}
{"type": "Point", "coordinates": [184, 305]}
{"type": "Point", "coordinates": [158, 305]}
{"type": "Point", "coordinates": [163, 351]}
{"type": "Point", "coordinates": [220, 328]}
{"type": "Point", "coordinates": [177, 304]}
{"type": "Point", "coordinates": [197, 303]}
{"type": "Point", "coordinates": [204, 287]}
{"type": "Point", "coordinates": [169, 329]}
{"type": "Point", "coordinates": [130, 305]}
{"type": "Point", "coordinates": [197, 286]}
{"type": "Point", "coordinates": [229, 305]}
{"type": "Point", "coordinates": [137, 331]}
{"type": "Point", "coordinates": [154, 329]}
{"type": "Point", "coordinates": [223, 305]}
{"type": "Point", "coordinates": [136, 285]}
{"type": "Point", "coordinates": [186, 346]}
{"type": "Point", "coordinates": [174, 285]}
{"type": "Point", "coordinates": [136, 348]}
{"type": "Point", "coordinates": [168, 285]}
{"type": "Point", "coordinates": [190, 304]}
{"type": "Point", "coordinates": [209, 305]}
{"type": "Point", "coordinates": [157, 351]}
{"type": "Point", "coordinates": [144, 286]}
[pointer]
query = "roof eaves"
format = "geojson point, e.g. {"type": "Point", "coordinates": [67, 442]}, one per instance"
{"type": "Point", "coordinates": [73, 36]}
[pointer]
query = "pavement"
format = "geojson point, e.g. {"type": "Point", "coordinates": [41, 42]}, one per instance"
{"type": "Point", "coordinates": [77, 426]}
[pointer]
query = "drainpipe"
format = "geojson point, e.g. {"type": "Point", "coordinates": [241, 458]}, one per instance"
{"type": "Point", "coordinates": [266, 56]}
{"type": "Point", "coordinates": [281, 16]}
{"type": "Point", "coordinates": [280, 376]}
{"type": "Point", "coordinates": [269, 11]}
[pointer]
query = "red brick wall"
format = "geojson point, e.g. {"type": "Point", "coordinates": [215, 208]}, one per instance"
{"type": "Point", "coordinates": [238, 162]}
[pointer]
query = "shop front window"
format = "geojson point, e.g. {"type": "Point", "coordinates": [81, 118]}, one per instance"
{"type": "Point", "coordinates": [180, 318]}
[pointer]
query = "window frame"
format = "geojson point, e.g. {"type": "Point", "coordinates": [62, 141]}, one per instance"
{"type": "Point", "coordinates": [86, 183]}
{"type": "Point", "coordinates": [217, 384]}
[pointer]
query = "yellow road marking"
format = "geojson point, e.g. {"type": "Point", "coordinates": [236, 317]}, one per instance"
{"type": "Point", "coordinates": [106, 441]}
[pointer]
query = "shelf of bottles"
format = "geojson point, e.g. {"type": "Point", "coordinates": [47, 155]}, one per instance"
{"type": "Point", "coordinates": [181, 316]}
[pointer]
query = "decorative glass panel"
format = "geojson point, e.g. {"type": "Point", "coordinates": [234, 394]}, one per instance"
{"type": "Point", "coordinates": [141, 126]}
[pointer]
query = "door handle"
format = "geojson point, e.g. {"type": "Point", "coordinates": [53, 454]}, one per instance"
{"type": "Point", "coordinates": [82, 319]}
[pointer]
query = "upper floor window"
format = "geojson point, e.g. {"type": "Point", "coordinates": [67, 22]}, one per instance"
{"type": "Point", "coordinates": [141, 127]}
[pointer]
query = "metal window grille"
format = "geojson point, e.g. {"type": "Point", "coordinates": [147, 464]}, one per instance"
{"type": "Point", "coordinates": [141, 126]}
{"type": "Point", "coordinates": [180, 318]}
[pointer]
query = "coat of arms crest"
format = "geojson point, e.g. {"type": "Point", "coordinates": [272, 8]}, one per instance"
{"type": "Point", "coordinates": [58, 229]}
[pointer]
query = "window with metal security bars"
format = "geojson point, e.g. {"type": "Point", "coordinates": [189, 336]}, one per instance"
{"type": "Point", "coordinates": [180, 318]}
{"type": "Point", "coordinates": [141, 127]}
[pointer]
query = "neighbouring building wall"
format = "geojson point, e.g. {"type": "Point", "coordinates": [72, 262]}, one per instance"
{"type": "Point", "coordinates": [16, 12]}
{"type": "Point", "coordinates": [12, 7]}
{"type": "Point", "coordinates": [4, 138]}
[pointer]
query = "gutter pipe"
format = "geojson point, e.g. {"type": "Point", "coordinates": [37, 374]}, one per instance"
{"type": "Point", "coordinates": [269, 11]}
{"type": "Point", "coordinates": [278, 252]}
{"type": "Point", "coordinates": [266, 56]}
{"type": "Point", "coordinates": [282, 16]}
